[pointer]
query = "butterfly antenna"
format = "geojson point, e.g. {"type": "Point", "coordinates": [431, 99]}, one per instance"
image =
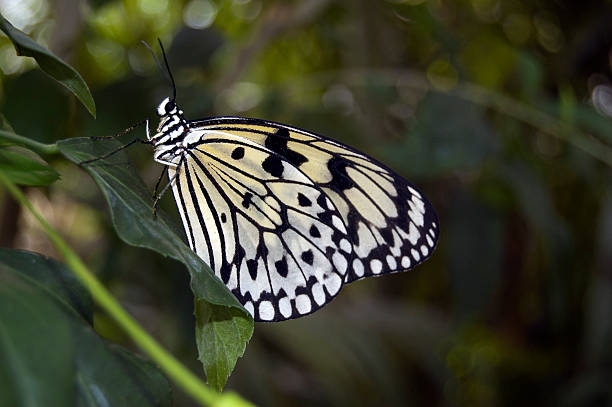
{"type": "Point", "coordinates": [170, 79]}
{"type": "Point", "coordinates": [168, 68]}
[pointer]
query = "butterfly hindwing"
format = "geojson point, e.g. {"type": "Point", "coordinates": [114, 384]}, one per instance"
{"type": "Point", "coordinates": [269, 233]}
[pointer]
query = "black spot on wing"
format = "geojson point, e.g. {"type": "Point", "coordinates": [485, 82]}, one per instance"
{"type": "Point", "coordinates": [303, 200]}
{"type": "Point", "coordinates": [314, 231]}
{"type": "Point", "coordinates": [225, 272]}
{"type": "Point", "coordinates": [238, 153]}
{"type": "Point", "coordinates": [281, 267]}
{"type": "Point", "coordinates": [252, 267]}
{"type": "Point", "coordinates": [321, 201]}
{"type": "Point", "coordinates": [308, 257]}
{"type": "Point", "coordinates": [223, 218]}
{"type": "Point", "coordinates": [247, 201]}
{"type": "Point", "coordinates": [340, 179]}
{"type": "Point", "coordinates": [278, 143]}
{"type": "Point", "coordinates": [273, 166]}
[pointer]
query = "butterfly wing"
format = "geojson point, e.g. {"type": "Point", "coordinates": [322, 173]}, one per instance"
{"type": "Point", "coordinates": [267, 230]}
{"type": "Point", "coordinates": [391, 226]}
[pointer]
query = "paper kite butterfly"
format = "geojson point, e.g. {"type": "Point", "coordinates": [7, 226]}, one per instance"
{"type": "Point", "coordinates": [286, 217]}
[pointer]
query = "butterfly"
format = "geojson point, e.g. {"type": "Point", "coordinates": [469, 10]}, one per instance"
{"type": "Point", "coordinates": [286, 217]}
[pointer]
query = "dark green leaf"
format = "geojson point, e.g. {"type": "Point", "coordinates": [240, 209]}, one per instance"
{"type": "Point", "coordinates": [49, 353]}
{"type": "Point", "coordinates": [51, 64]}
{"type": "Point", "coordinates": [223, 326]}
{"type": "Point", "coordinates": [24, 170]}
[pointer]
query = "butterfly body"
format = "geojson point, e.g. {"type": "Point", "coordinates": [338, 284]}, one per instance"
{"type": "Point", "coordinates": [286, 217]}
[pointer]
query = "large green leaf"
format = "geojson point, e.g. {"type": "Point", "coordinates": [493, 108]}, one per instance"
{"type": "Point", "coordinates": [51, 64]}
{"type": "Point", "coordinates": [25, 170]}
{"type": "Point", "coordinates": [223, 326]}
{"type": "Point", "coordinates": [50, 354]}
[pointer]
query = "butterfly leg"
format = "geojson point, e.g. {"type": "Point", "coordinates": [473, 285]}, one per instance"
{"type": "Point", "coordinates": [168, 185]}
{"type": "Point", "coordinates": [159, 180]}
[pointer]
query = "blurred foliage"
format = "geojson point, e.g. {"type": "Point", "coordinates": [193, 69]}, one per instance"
{"type": "Point", "coordinates": [497, 109]}
{"type": "Point", "coordinates": [56, 359]}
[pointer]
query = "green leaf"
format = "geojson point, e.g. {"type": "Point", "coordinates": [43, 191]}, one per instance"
{"type": "Point", "coordinates": [51, 64]}
{"type": "Point", "coordinates": [223, 326]}
{"type": "Point", "coordinates": [25, 170]}
{"type": "Point", "coordinates": [50, 354]}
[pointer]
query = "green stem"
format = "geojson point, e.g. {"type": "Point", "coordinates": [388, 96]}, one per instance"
{"type": "Point", "coordinates": [40, 148]}
{"type": "Point", "coordinates": [184, 378]}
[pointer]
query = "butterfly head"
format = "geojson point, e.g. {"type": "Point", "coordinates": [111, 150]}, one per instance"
{"type": "Point", "coordinates": [167, 108]}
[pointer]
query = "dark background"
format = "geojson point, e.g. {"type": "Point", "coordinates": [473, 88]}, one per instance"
{"type": "Point", "coordinates": [497, 110]}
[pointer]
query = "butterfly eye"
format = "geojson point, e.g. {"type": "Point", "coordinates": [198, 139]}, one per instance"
{"type": "Point", "coordinates": [170, 106]}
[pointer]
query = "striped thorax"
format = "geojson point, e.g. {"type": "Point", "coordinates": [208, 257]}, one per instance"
{"type": "Point", "coordinates": [169, 141]}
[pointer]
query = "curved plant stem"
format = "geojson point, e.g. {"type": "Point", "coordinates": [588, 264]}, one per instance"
{"type": "Point", "coordinates": [184, 378]}
{"type": "Point", "coordinates": [521, 111]}
{"type": "Point", "coordinates": [40, 148]}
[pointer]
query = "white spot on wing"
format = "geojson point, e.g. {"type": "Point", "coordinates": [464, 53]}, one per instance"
{"type": "Point", "coordinates": [332, 283]}
{"type": "Point", "coordinates": [318, 294]}
{"type": "Point", "coordinates": [337, 222]}
{"type": "Point", "coordinates": [413, 234]}
{"type": "Point", "coordinates": [345, 245]}
{"type": "Point", "coordinates": [414, 214]}
{"type": "Point", "coordinates": [391, 262]}
{"type": "Point", "coordinates": [419, 204]}
{"type": "Point", "coordinates": [266, 310]}
{"type": "Point", "coordinates": [414, 191]}
{"type": "Point", "coordinates": [376, 266]}
{"type": "Point", "coordinates": [302, 304]}
{"type": "Point", "coordinates": [358, 267]}
{"type": "Point", "coordinates": [339, 262]}
{"type": "Point", "coordinates": [284, 304]}
{"type": "Point", "coordinates": [429, 241]}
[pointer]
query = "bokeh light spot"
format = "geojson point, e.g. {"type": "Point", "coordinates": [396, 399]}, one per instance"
{"type": "Point", "coordinates": [199, 14]}
{"type": "Point", "coordinates": [24, 14]}
{"type": "Point", "coordinates": [242, 96]}
{"type": "Point", "coordinates": [442, 75]}
{"type": "Point", "coordinates": [153, 7]}
{"type": "Point", "coordinates": [339, 97]}
{"type": "Point", "coordinates": [549, 34]}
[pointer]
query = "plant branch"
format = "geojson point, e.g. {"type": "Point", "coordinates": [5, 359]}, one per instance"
{"type": "Point", "coordinates": [40, 148]}
{"type": "Point", "coordinates": [184, 378]}
{"type": "Point", "coordinates": [506, 105]}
